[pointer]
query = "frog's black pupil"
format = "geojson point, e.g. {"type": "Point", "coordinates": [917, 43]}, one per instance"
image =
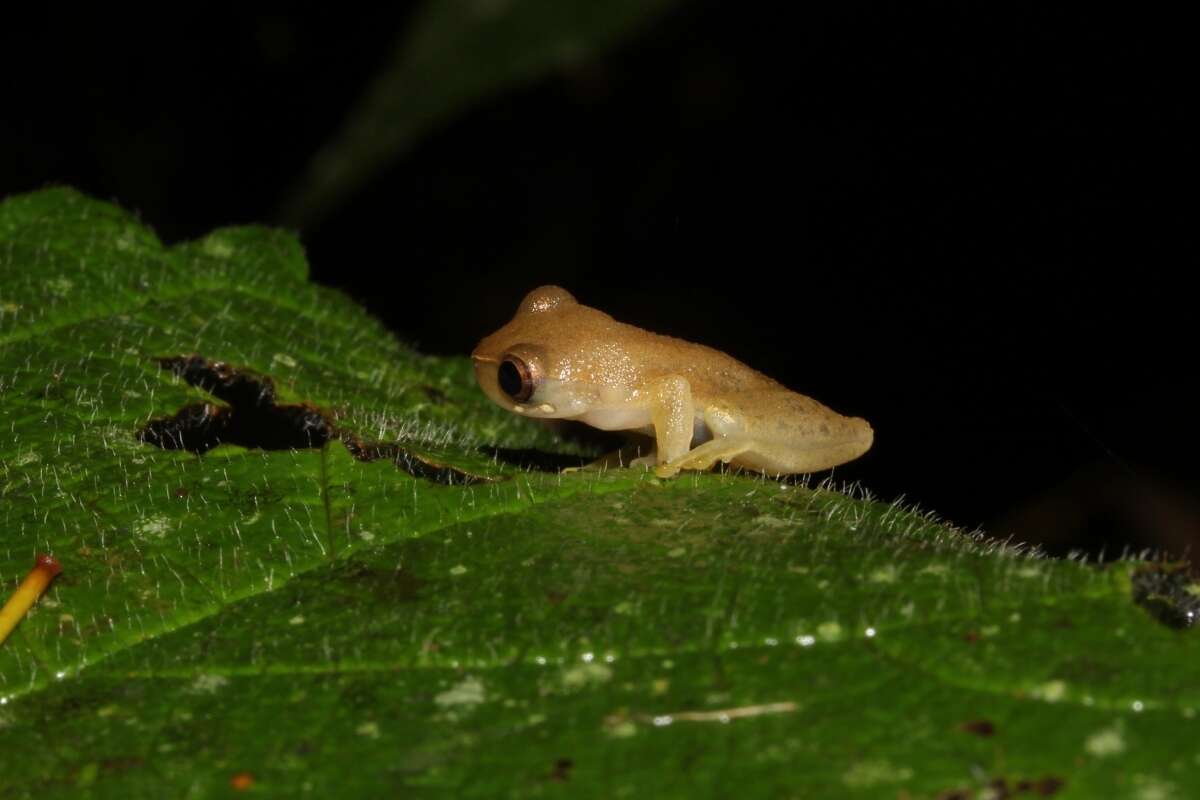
{"type": "Point", "coordinates": [510, 379]}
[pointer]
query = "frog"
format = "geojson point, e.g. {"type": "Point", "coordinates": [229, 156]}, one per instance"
{"type": "Point", "coordinates": [558, 359]}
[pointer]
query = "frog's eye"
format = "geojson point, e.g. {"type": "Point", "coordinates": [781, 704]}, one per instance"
{"type": "Point", "coordinates": [517, 379]}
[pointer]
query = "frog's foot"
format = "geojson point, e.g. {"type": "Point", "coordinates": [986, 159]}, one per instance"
{"type": "Point", "coordinates": [645, 462]}
{"type": "Point", "coordinates": [704, 456]}
{"type": "Point", "coordinates": [625, 457]}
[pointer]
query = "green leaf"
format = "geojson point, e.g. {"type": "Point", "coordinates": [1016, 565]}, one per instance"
{"type": "Point", "coordinates": [400, 610]}
{"type": "Point", "coordinates": [454, 54]}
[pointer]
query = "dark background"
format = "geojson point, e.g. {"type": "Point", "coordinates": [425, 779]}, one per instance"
{"type": "Point", "coordinates": [965, 226]}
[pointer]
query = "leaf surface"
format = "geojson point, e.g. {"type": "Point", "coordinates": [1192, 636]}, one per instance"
{"type": "Point", "coordinates": [434, 617]}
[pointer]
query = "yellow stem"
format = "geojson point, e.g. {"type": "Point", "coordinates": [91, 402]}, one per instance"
{"type": "Point", "coordinates": [44, 570]}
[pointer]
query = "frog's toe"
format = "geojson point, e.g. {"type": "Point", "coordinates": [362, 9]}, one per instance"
{"type": "Point", "coordinates": [705, 456]}
{"type": "Point", "coordinates": [645, 462]}
{"type": "Point", "coordinates": [666, 471]}
{"type": "Point", "coordinates": [615, 460]}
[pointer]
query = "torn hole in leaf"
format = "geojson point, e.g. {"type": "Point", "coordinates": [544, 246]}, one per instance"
{"type": "Point", "coordinates": [537, 460]}
{"type": "Point", "coordinates": [419, 465]}
{"type": "Point", "coordinates": [253, 419]}
{"type": "Point", "coordinates": [1170, 592]}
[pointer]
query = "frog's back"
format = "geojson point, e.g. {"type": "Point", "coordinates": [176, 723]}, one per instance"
{"type": "Point", "coordinates": [707, 370]}
{"type": "Point", "coordinates": [592, 343]}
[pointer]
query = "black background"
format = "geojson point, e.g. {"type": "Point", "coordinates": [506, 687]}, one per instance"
{"type": "Point", "coordinates": [964, 225]}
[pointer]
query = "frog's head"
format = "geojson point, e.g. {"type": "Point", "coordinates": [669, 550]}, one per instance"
{"type": "Point", "coordinates": [536, 365]}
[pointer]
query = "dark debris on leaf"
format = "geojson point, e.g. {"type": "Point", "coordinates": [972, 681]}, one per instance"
{"type": "Point", "coordinates": [1170, 593]}
{"type": "Point", "coordinates": [1047, 786]}
{"type": "Point", "coordinates": [1004, 789]}
{"type": "Point", "coordinates": [955, 794]}
{"type": "Point", "coordinates": [253, 419]}
{"type": "Point", "coordinates": [979, 727]}
{"type": "Point", "coordinates": [562, 770]}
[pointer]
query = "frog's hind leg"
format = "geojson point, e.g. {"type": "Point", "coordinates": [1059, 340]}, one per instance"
{"type": "Point", "coordinates": [726, 425]}
{"type": "Point", "coordinates": [704, 456]}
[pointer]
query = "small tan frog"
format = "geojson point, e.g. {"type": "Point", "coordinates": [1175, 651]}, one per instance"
{"type": "Point", "coordinates": [558, 359]}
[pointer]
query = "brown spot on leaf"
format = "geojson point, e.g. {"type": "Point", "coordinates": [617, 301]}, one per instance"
{"type": "Point", "coordinates": [562, 770]}
{"type": "Point", "coordinates": [121, 763]}
{"type": "Point", "coordinates": [242, 781]}
{"type": "Point", "coordinates": [1047, 786]}
{"type": "Point", "coordinates": [955, 794]}
{"type": "Point", "coordinates": [1004, 789]}
{"type": "Point", "coordinates": [979, 727]}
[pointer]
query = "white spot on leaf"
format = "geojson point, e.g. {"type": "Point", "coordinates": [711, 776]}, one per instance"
{"type": "Point", "coordinates": [152, 527]}
{"type": "Point", "coordinates": [1050, 691]}
{"type": "Point", "coordinates": [468, 692]}
{"type": "Point", "coordinates": [1106, 742]}
{"type": "Point", "coordinates": [584, 675]}
{"type": "Point", "coordinates": [60, 286]}
{"type": "Point", "coordinates": [865, 774]}
{"type": "Point", "coordinates": [208, 683]}
{"type": "Point", "coordinates": [829, 631]}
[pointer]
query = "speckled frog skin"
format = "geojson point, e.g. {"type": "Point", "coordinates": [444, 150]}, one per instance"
{"type": "Point", "coordinates": [558, 359]}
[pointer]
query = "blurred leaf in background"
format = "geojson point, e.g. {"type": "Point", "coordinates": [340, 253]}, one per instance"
{"type": "Point", "coordinates": [452, 55]}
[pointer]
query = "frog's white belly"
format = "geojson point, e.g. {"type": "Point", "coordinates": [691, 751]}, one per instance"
{"type": "Point", "coordinates": [626, 418]}
{"type": "Point", "coordinates": [617, 418]}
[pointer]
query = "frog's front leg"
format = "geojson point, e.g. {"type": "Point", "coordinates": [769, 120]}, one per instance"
{"type": "Point", "coordinates": [673, 416]}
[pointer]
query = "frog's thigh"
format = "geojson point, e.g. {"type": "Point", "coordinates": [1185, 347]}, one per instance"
{"type": "Point", "coordinates": [671, 413]}
{"type": "Point", "coordinates": [786, 433]}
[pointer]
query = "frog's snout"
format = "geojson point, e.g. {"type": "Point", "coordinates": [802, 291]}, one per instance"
{"type": "Point", "coordinates": [485, 376]}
